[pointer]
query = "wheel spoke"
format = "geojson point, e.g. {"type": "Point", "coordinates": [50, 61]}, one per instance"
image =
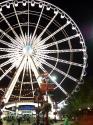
{"type": "Point", "coordinates": [11, 60]}
{"type": "Point", "coordinates": [28, 23]}
{"type": "Point", "coordinates": [35, 70]}
{"type": "Point", "coordinates": [60, 60]}
{"type": "Point", "coordinates": [9, 50]}
{"type": "Point", "coordinates": [54, 33]}
{"type": "Point", "coordinates": [9, 25]}
{"type": "Point", "coordinates": [58, 70]}
{"type": "Point", "coordinates": [7, 44]}
{"type": "Point", "coordinates": [58, 85]}
{"type": "Point", "coordinates": [7, 71]}
{"type": "Point", "coordinates": [61, 51]}
{"type": "Point", "coordinates": [19, 45]}
{"type": "Point", "coordinates": [56, 42]}
{"type": "Point", "coordinates": [31, 82]}
{"type": "Point", "coordinates": [7, 56]}
{"type": "Point", "coordinates": [14, 81]}
{"type": "Point", "coordinates": [19, 23]}
{"type": "Point", "coordinates": [24, 69]}
{"type": "Point", "coordinates": [38, 23]}
{"type": "Point", "coordinates": [47, 27]}
{"type": "Point", "coordinates": [42, 68]}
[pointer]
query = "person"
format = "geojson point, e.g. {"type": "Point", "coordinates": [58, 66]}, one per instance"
{"type": "Point", "coordinates": [1, 123]}
{"type": "Point", "coordinates": [28, 120]}
{"type": "Point", "coordinates": [18, 119]}
{"type": "Point", "coordinates": [13, 123]}
{"type": "Point", "coordinates": [66, 121]}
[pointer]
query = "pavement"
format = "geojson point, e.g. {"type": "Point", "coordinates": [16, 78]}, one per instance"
{"type": "Point", "coordinates": [25, 123]}
{"type": "Point", "coordinates": [11, 123]}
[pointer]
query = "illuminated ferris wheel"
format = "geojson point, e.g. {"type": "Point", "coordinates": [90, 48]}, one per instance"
{"type": "Point", "coordinates": [36, 38]}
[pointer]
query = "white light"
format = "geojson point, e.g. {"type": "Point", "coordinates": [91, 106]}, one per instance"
{"type": "Point", "coordinates": [19, 112]}
{"type": "Point", "coordinates": [16, 3]}
{"type": "Point", "coordinates": [73, 27]}
{"type": "Point", "coordinates": [40, 79]}
{"type": "Point", "coordinates": [3, 116]}
{"type": "Point", "coordinates": [84, 58]}
{"type": "Point", "coordinates": [77, 89]}
{"type": "Point", "coordinates": [80, 83]}
{"type": "Point", "coordinates": [81, 42]}
{"type": "Point", "coordinates": [48, 7]}
{"type": "Point", "coordinates": [79, 109]}
{"type": "Point", "coordinates": [68, 21]}
{"type": "Point", "coordinates": [8, 5]}
{"type": "Point", "coordinates": [65, 104]}
{"type": "Point", "coordinates": [40, 5]}
{"type": "Point", "coordinates": [0, 8]}
{"type": "Point", "coordinates": [62, 16]}
{"type": "Point", "coordinates": [55, 11]}
{"type": "Point", "coordinates": [62, 104]}
{"type": "Point", "coordinates": [84, 66]}
{"type": "Point", "coordinates": [24, 3]}
{"type": "Point", "coordinates": [32, 3]}
{"type": "Point", "coordinates": [88, 108]}
{"type": "Point", "coordinates": [27, 50]}
{"type": "Point", "coordinates": [54, 78]}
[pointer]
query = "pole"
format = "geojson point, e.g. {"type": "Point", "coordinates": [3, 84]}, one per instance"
{"type": "Point", "coordinates": [37, 114]}
{"type": "Point", "coordinates": [47, 122]}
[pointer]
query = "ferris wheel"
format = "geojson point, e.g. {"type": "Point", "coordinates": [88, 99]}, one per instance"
{"type": "Point", "coordinates": [36, 38]}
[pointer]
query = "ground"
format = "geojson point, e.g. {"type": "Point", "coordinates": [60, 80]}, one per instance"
{"type": "Point", "coordinates": [25, 123]}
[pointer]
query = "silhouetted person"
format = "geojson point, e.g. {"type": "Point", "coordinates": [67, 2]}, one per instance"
{"type": "Point", "coordinates": [1, 123]}
{"type": "Point", "coordinates": [18, 119]}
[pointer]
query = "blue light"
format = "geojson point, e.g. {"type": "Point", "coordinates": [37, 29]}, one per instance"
{"type": "Point", "coordinates": [26, 107]}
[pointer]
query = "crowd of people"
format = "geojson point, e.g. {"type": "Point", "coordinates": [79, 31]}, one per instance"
{"type": "Point", "coordinates": [19, 120]}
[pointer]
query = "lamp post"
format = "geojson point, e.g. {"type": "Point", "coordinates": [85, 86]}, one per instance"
{"type": "Point", "coordinates": [47, 121]}
{"type": "Point", "coordinates": [38, 98]}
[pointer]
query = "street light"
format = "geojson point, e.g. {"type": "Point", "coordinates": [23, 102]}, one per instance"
{"type": "Point", "coordinates": [54, 78]}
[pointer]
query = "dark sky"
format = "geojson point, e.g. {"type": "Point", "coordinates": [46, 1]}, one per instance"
{"type": "Point", "coordinates": [81, 12]}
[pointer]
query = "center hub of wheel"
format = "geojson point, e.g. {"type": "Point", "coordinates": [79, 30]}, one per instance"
{"type": "Point", "coordinates": [27, 50]}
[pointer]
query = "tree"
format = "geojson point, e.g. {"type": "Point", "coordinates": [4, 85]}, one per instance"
{"type": "Point", "coordinates": [81, 99]}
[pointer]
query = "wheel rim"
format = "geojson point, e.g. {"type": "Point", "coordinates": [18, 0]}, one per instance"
{"type": "Point", "coordinates": [45, 34]}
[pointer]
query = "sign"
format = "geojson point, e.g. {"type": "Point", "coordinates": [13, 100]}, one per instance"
{"type": "Point", "coordinates": [26, 107]}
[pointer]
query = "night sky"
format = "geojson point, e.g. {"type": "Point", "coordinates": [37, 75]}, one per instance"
{"type": "Point", "coordinates": [81, 12]}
